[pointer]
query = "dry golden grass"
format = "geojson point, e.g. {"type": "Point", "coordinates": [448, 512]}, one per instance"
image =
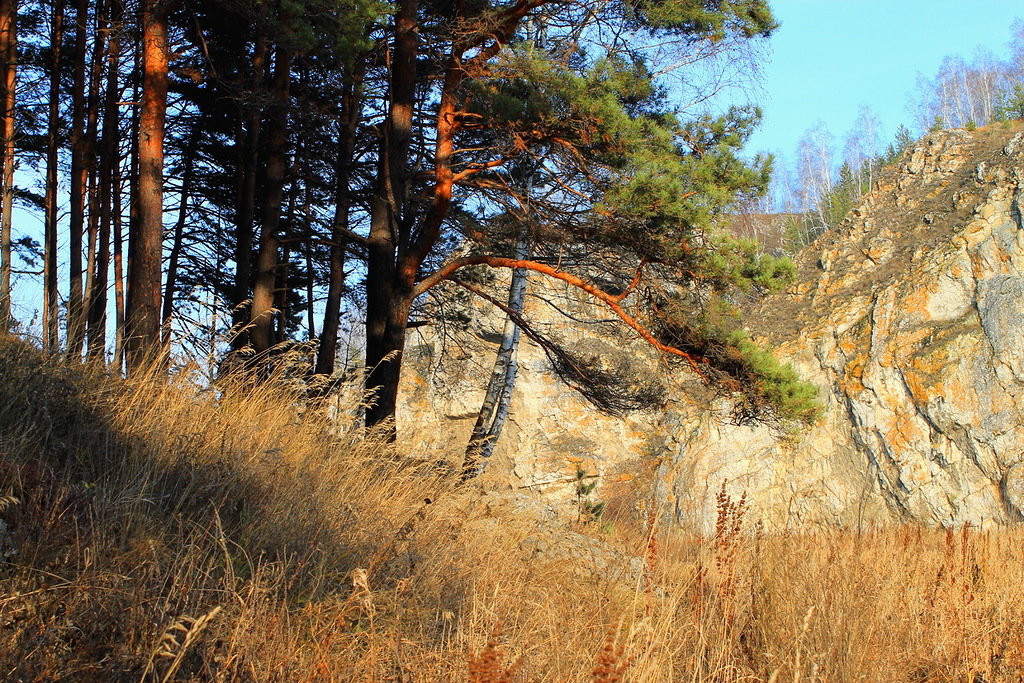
{"type": "Point", "coordinates": [156, 531]}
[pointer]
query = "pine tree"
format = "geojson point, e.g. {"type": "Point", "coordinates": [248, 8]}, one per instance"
{"type": "Point", "coordinates": [622, 172]}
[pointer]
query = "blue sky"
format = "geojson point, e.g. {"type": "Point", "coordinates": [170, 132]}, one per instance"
{"type": "Point", "coordinates": [831, 56]}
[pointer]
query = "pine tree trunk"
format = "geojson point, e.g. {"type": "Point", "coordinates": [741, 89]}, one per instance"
{"type": "Point", "coordinates": [91, 229]}
{"type": "Point", "coordinates": [248, 163]}
{"type": "Point", "coordinates": [386, 321]}
{"type": "Point", "coordinates": [94, 332]}
{"type": "Point", "coordinates": [121, 260]}
{"type": "Point", "coordinates": [350, 108]}
{"type": "Point", "coordinates": [281, 291]}
{"type": "Point", "coordinates": [282, 286]}
{"type": "Point", "coordinates": [261, 333]}
{"type": "Point", "coordinates": [8, 81]}
{"type": "Point", "coordinates": [307, 221]}
{"type": "Point", "coordinates": [142, 313]}
{"type": "Point", "coordinates": [76, 211]}
{"type": "Point", "coordinates": [310, 293]}
{"type": "Point", "coordinates": [51, 318]}
{"type": "Point", "coordinates": [119, 298]}
{"type": "Point", "coordinates": [388, 295]}
{"type": "Point", "coordinates": [109, 159]}
{"type": "Point", "coordinates": [177, 240]}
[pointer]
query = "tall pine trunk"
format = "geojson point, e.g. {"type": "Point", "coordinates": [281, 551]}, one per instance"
{"type": "Point", "coordinates": [142, 312]}
{"type": "Point", "coordinates": [8, 82]}
{"type": "Point", "coordinates": [350, 108]}
{"type": "Point", "coordinates": [250, 119]}
{"type": "Point", "coordinates": [105, 189]}
{"type": "Point", "coordinates": [109, 159]}
{"type": "Point", "coordinates": [388, 294]}
{"type": "Point", "coordinates": [174, 257]}
{"type": "Point", "coordinates": [122, 259]}
{"type": "Point", "coordinates": [94, 335]}
{"type": "Point", "coordinates": [51, 317]}
{"type": "Point", "coordinates": [282, 287]}
{"type": "Point", "coordinates": [79, 171]}
{"type": "Point", "coordinates": [261, 331]}
{"type": "Point", "coordinates": [118, 239]}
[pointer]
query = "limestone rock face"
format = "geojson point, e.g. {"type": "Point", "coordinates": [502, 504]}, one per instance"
{"type": "Point", "coordinates": [910, 319]}
{"type": "Point", "coordinates": [916, 344]}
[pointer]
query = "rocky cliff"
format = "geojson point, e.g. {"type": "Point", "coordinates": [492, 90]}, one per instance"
{"type": "Point", "coordinates": [909, 317]}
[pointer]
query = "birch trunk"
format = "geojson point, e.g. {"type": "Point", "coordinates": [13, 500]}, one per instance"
{"type": "Point", "coordinates": [498, 397]}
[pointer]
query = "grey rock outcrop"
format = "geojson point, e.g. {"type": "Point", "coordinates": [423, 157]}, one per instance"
{"type": "Point", "coordinates": [909, 317]}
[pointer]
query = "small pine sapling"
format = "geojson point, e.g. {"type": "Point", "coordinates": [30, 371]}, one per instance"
{"type": "Point", "coordinates": [587, 509]}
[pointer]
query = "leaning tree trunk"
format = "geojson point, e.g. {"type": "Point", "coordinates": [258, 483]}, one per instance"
{"type": "Point", "coordinates": [350, 104]}
{"type": "Point", "coordinates": [177, 243]}
{"type": "Point", "coordinates": [142, 312]}
{"type": "Point", "coordinates": [8, 81]}
{"type": "Point", "coordinates": [494, 410]}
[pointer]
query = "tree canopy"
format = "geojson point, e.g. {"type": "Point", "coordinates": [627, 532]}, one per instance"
{"type": "Point", "coordinates": [280, 167]}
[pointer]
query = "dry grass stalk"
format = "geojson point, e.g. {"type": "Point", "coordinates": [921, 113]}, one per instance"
{"type": "Point", "coordinates": [170, 647]}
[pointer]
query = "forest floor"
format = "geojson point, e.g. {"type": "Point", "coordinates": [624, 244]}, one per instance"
{"type": "Point", "coordinates": [154, 530]}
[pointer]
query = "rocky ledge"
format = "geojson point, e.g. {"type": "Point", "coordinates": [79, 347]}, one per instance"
{"type": "Point", "coordinates": [909, 317]}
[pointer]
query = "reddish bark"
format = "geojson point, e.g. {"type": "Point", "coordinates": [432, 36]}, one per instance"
{"type": "Point", "coordinates": [8, 82]}
{"type": "Point", "coordinates": [142, 312]}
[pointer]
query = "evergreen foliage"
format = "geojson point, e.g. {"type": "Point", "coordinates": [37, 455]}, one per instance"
{"type": "Point", "coordinates": [345, 151]}
{"type": "Point", "coordinates": [587, 509]}
{"type": "Point", "coordinates": [1012, 104]}
{"type": "Point", "coordinates": [754, 378]}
